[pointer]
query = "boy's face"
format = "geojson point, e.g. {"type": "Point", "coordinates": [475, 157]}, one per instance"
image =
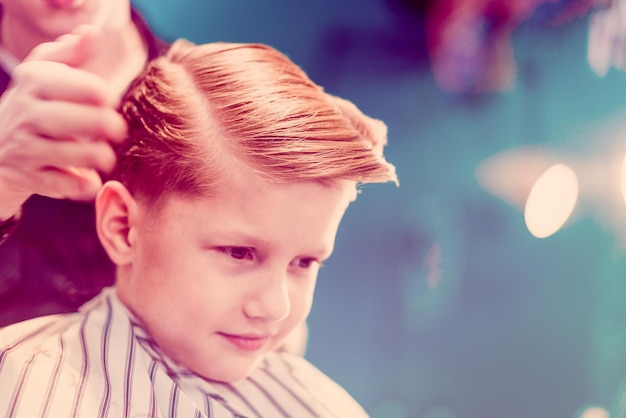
{"type": "Point", "coordinates": [221, 281]}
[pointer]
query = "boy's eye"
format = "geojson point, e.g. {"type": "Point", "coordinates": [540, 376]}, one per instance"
{"type": "Point", "coordinates": [305, 262]}
{"type": "Point", "coordinates": [239, 253]}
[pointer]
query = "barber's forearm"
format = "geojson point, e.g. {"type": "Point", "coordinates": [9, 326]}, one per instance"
{"type": "Point", "coordinates": [11, 201]}
{"type": "Point", "coordinates": [10, 212]}
{"type": "Point", "coordinates": [8, 225]}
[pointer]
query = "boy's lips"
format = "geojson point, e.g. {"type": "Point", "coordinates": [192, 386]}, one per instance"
{"type": "Point", "coordinates": [65, 4]}
{"type": "Point", "coordinates": [247, 342]}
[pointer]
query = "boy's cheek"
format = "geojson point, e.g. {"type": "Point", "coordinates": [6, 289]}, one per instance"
{"type": "Point", "coordinates": [295, 342]}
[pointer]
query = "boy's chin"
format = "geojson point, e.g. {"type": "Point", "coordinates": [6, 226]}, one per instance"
{"type": "Point", "coordinates": [233, 374]}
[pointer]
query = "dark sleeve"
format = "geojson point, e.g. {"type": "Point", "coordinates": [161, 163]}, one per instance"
{"type": "Point", "coordinates": [4, 81]}
{"type": "Point", "coordinates": [156, 45]}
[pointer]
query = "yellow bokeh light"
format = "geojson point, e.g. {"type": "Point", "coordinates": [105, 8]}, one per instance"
{"type": "Point", "coordinates": [595, 412]}
{"type": "Point", "coordinates": [551, 201]}
{"type": "Point", "coordinates": [623, 178]}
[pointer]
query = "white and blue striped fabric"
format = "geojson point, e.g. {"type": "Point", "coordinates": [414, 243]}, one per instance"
{"type": "Point", "coordinates": [99, 362]}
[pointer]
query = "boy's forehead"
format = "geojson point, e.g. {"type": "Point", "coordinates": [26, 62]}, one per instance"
{"type": "Point", "coordinates": [245, 189]}
{"type": "Point", "coordinates": [290, 218]}
{"type": "Point", "coordinates": [229, 178]}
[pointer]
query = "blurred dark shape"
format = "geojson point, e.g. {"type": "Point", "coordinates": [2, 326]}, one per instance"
{"type": "Point", "coordinates": [368, 50]}
{"type": "Point", "coordinates": [559, 12]}
{"type": "Point", "coordinates": [414, 10]}
{"type": "Point", "coordinates": [469, 41]}
{"type": "Point", "coordinates": [466, 44]}
{"type": "Point", "coordinates": [387, 49]}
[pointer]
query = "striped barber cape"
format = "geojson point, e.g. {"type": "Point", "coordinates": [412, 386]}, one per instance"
{"type": "Point", "coordinates": [99, 362]}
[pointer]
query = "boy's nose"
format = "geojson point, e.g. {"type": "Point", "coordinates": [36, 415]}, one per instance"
{"type": "Point", "coordinates": [270, 301]}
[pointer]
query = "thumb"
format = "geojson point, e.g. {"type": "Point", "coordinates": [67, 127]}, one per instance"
{"type": "Point", "coordinates": [73, 49]}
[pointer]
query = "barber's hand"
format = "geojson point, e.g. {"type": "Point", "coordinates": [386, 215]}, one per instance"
{"type": "Point", "coordinates": [57, 123]}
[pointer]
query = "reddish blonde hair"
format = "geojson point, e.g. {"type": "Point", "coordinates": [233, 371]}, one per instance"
{"type": "Point", "coordinates": [198, 110]}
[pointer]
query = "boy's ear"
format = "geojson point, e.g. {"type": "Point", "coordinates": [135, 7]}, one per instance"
{"type": "Point", "coordinates": [116, 214]}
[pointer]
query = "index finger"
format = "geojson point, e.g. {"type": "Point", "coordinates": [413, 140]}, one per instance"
{"type": "Point", "coordinates": [55, 81]}
{"type": "Point", "coordinates": [71, 49]}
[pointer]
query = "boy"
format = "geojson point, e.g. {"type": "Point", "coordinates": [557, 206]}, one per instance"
{"type": "Point", "coordinates": [225, 200]}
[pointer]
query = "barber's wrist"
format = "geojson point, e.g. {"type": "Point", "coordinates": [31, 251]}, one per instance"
{"type": "Point", "coordinates": [12, 200]}
{"type": "Point", "coordinates": [8, 226]}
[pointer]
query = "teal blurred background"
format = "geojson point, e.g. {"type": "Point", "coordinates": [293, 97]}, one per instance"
{"type": "Point", "coordinates": [438, 302]}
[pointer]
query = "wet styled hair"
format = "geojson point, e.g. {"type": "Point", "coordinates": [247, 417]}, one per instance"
{"type": "Point", "coordinates": [201, 110]}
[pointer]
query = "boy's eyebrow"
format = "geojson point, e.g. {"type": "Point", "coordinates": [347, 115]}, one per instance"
{"type": "Point", "coordinates": [246, 240]}
{"type": "Point", "coordinates": [241, 238]}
